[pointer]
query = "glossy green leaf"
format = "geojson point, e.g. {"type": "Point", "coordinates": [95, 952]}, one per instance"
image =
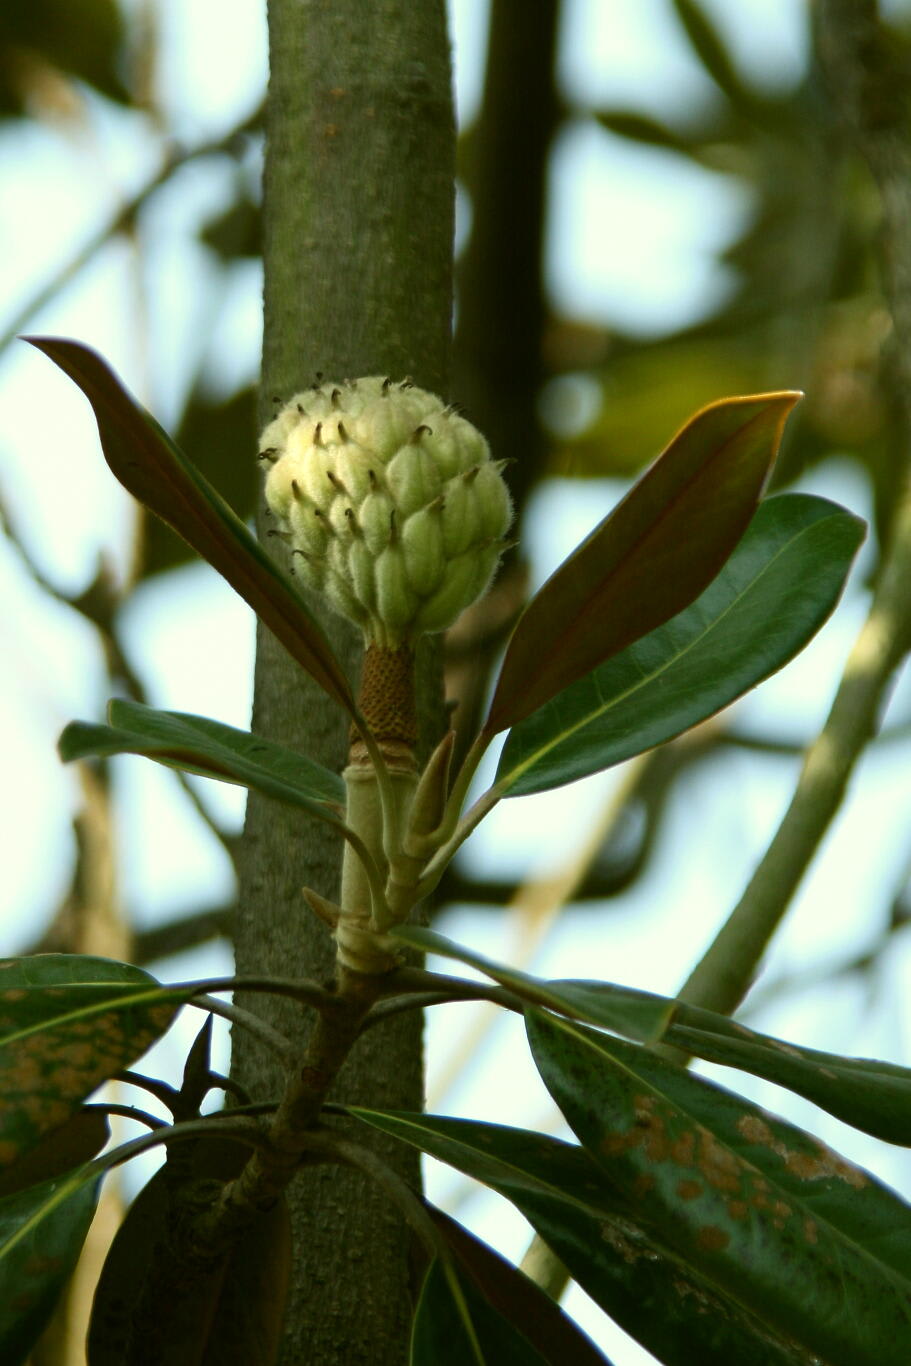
{"type": "Point", "coordinates": [200, 745]}
{"type": "Point", "coordinates": [870, 1095]}
{"type": "Point", "coordinates": [654, 1295]}
{"type": "Point", "coordinates": [867, 1094]}
{"type": "Point", "coordinates": [151, 467]}
{"type": "Point", "coordinates": [810, 1244]}
{"type": "Point", "coordinates": [450, 1333]}
{"type": "Point", "coordinates": [230, 1312]}
{"type": "Point", "coordinates": [67, 1024]}
{"type": "Point", "coordinates": [510, 1294]}
{"type": "Point", "coordinates": [635, 1014]}
{"type": "Point", "coordinates": [649, 558]}
{"type": "Point", "coordinates": [42, 1230]}
{"type": "Point", "coordinates": [778, 587]}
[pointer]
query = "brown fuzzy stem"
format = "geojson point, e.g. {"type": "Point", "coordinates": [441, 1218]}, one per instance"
{"type": "Point", "coordinates": [387, 702]}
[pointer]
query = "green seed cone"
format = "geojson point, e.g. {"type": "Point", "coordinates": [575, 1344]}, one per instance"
{"type": "Point", "coordinates": [391, 503]}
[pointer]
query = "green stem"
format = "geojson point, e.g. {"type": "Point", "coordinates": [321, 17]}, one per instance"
{"type": "Point", "coordinates": [460, 789]}
{"type": "Point", "coordinates": [445, 854]}
{"type": "Point", "coordinates": [365, 913]}
{"type": "Point", "coordinates": [720, 981]}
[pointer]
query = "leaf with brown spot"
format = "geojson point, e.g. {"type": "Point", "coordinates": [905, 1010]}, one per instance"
{"type": "Point", "coordinates": [843, 1293]}
{"type": "Point", "coordinates": [649, 558]}
{"type": "Point", "coordinates": [652, 1293]}
{"type": "Point", "coordinates": [68, 1023]}
{"type": "Point", "coordinates": [151, 467]}
{"type": "Point", "coordinates": [42, 1229]}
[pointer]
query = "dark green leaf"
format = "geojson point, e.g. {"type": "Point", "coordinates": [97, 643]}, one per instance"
{"type": "Point", "coordinates": [200, 745]}
{"type": "Point", "coordinates": [451, 1332]}
{"type": "Point", "coordinates": [67, 1024]}
{"type": "Point", "coordinates": [651, 557]}
{"type": "Point", "coordinates": [812, 1245]}
{"type": "Point", "coordinates": [778, 587]}
{"type": "Point", "coordinates": [653, 1294]}
{"type": "Point", "coordinates": [635, 1014]}
{"type": "Point", "coordinates": [151, 467]}
{"type": "Point", "coordinates": [872, 1096]}
{"type": "Point", "coordinates": [516, 1299]}
{"type": "Point", "coordinates": [42, 1230]}
{"type": "Point", "coordinates": [72, 1145]}
{"type": "Point", "coordinates": [229, 1314]}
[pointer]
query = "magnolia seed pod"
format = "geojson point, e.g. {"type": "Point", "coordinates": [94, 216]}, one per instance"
{"type": "Point", "coordinates": [390, 501]}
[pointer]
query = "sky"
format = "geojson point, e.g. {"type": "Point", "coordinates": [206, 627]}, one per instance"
{"type": "Point", "coordinates": [648, 269]}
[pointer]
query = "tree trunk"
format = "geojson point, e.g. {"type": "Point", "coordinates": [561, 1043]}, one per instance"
{"type": "Point", "coordinates": [357, 247]}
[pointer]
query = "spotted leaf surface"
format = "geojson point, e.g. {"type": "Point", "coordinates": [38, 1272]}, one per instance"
{"type": "Point", "coordinates": [812, 1245]}
{"type": "Point", "coordinates": [655, 1296]}
{"type": "Point", "coordinates": [67, 1024]}
{"type": "Point", "coordinates": [42, 1230]}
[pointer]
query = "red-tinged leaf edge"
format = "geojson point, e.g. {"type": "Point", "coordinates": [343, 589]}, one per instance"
{"type": "Point", "coordinates": [71, 1145]}
{"type": "Point", "coordinates": [650, 557]}
{"type": "Point", "coordinates": [155, 471]}
{"type": "Point", "coordinates": [517, 1298]}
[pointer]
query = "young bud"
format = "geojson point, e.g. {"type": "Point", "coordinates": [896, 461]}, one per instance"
{"type": "Point", "coordinates": [390, 500]}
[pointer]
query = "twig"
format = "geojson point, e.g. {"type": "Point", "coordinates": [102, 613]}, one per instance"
{"type": "Point", "coordinates": [247, 1020]}
{"type": "Point", "coordinates": [128, 1112]}
{"type": "Point", "coordinates": [299, 989]}
{"type": "Point", "coordinates": [857, 68]}
{"type": "Point", "coordinates": [119, 221]}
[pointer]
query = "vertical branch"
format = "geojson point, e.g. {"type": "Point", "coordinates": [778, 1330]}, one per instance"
{"type": "Point", "coordinates": [868, 91]}
{"type": "Point", "coordinates": [358, 209]}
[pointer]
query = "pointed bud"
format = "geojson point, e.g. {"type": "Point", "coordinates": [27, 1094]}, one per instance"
{"type": "Point", "coordinates": [326, 910]}
{"type": "Point", "coordinates": [430, 795]}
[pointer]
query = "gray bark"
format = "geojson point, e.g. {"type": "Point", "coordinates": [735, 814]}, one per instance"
{"type": "Point", "coordinates": [357, 247]}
